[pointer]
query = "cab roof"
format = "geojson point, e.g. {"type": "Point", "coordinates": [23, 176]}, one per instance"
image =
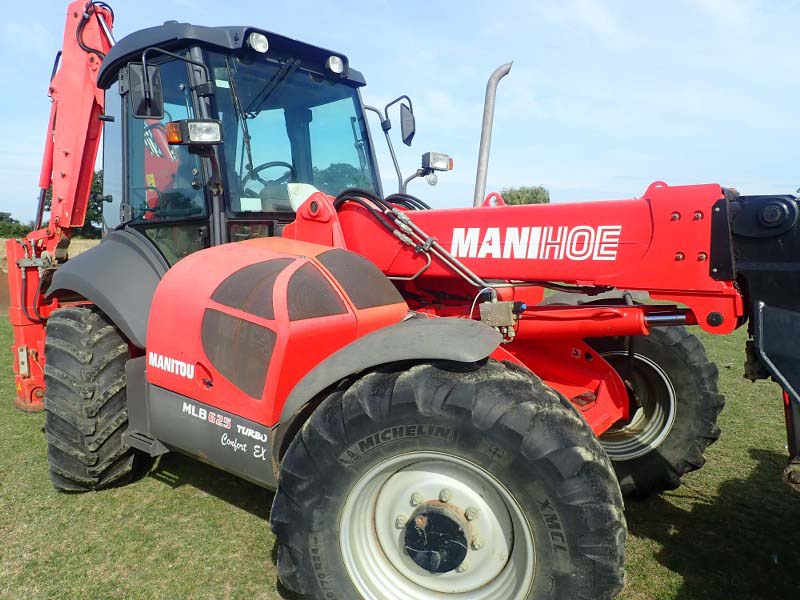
{"type": "Point", "coordinates": [173, 36]}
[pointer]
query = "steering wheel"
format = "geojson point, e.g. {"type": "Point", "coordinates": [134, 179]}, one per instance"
{"type": "Point", "coordinates": [253, 174]}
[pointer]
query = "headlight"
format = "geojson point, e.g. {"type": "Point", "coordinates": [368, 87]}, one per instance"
{"type": "Point", "coordinates": [205, 132]}
{"type": "Point", "coordinates": [335, 64]}
{"type": "Point", "coordinates": [258, 42]}
{"type": "Point", "coordinates": [201, 133]}
{"type": "Point", "coordinates": [437, 161]}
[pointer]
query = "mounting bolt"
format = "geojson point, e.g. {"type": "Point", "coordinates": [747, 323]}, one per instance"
{"type": "Point", "coordinates": [715, 319]}
{"type": "Point", "coordinates": [471, 513]}
{"type": "Point", "coordinates": [676, 216]}
{"type": "Point", "coordinates": [716, 209]}
{"type": "Point", "coordinates": [445, 495]}
{"type": "Point", "coordinates": [416, 498]}
{"type": "Point", "coordinates": [462, 567]}
{"type": "Point", "coordinates": [477, 544]}
{"type": "Point", "coordinates": [698, 215]}
{"type": "Point", "coordinates": [400, 521]}
{"type": "Point", "coordinates": [702, 256]}
{"type": "Point", "coordinates": [679, 256]}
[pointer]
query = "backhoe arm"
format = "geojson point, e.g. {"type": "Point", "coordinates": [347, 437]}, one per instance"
{"type": "Point", "coordinates": [70, 150]}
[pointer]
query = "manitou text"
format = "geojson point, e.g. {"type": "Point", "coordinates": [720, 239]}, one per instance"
{"type": "Point", "coordinates": [170, 365]}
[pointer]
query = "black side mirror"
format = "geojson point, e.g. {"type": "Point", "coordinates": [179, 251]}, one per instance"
{"type": "Point", "coordinates": [408, 126]}
{"type": "Point", "coordinates": [147, 96]}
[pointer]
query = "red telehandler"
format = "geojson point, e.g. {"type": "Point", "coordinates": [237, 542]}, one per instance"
{"type": "Point", "coordinates": [431, 428]}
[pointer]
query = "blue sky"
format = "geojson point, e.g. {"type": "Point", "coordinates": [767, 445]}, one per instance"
{"type": "Point", "coordinates": [604, 96]}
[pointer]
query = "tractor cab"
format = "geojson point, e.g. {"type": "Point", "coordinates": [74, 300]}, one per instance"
{"type": "Point", "coordinates": [219, 134]}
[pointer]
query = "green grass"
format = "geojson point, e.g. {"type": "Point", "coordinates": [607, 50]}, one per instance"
{"type": "Point", "coordinates": [190, 531]}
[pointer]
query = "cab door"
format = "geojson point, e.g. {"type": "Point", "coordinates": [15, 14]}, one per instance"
{"type": "Point", "coordinates": [164, 196]}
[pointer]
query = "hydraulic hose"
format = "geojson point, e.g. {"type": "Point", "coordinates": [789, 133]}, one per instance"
{"type": "Point", "coordinates": [90, 9]}
{"type": "Point", "coordinates": [408, 199]}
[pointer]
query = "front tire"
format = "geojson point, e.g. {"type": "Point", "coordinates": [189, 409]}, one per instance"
{"type": "Point", "coordinates": [675, 417]}
{"type": "Point", "coordinates": [448, 480]}
{"type": "Point", "coordinates": [85, 403]}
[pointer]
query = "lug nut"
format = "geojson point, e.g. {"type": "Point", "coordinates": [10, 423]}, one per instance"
{"type": "Point", "coordinates": [400, 521]}
{"type": "Point", "coordinates": [445, 495]}
{"type": "Point", "coordinates": [676, 216]}
{"type": "Point", "coordinates": [702, 256]}
{"type": "Point", "coordinates": [679, 256]}
{"type": "Point", "coordinates": [698, 215]}
{"type": "Point", "coordinates": [416, 499]}
{"type": "Point", "coordinates": [477, 544]}
{"type": "Point", "coordinates": [471, 513]}
{"type": "Point", "coordinates": [462, 567]}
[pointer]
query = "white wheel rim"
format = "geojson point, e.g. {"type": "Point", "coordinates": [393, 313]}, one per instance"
{"type": "Point", "coordinates": [652, 422]}
{"type": "Point", "coordinates": [372, 544]}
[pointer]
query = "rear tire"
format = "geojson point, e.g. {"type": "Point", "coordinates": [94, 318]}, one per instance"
{"type": "Point", "coordinates": [85, 403]}
{"type": "Point", "coordinates": [399, 449]}
{"type": "Point", "coordinates": [676, 386]}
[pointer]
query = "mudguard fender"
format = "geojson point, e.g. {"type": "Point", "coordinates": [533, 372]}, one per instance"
{"type": "Point", "coordinates": [119, 276]}
{"type": "Point", "coordinates": [460, 340]}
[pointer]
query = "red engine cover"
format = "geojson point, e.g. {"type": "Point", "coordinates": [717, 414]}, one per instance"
{"type": "Point", "coordinates": [238, 325]}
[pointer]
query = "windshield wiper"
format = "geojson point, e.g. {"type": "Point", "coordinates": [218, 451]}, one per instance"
{"type": "Point", "coordinates": [269, 88]}
{"type": "Point", "coordinates": [237, 104]}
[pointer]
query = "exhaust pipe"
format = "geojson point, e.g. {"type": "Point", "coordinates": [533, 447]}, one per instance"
{"type": "Point", "coordinates": [486, 132]}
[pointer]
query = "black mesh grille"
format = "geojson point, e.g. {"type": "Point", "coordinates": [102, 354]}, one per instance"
{"type": "Point", "coordinates": [250, 288]}
{"type": "Point", "coordinates": [362, 280]}
{"type": "Point", "coordinates": [310, 295]}
{"type": "Point", "coordinates": [238, 349]}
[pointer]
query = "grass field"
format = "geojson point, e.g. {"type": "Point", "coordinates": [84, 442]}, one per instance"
{"type": "Point", "coordinates": [190, 531]}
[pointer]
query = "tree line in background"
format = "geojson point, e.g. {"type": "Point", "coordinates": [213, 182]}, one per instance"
{"type": "Point", "coordinates": [92, 227]}
{"type": "Point", "coordinates": [526, 195]}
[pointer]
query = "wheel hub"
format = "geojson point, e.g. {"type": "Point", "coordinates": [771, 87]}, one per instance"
{"type": "Point", "coordinates": [426, 525]}
{"type": "Point", "coordinates": [653, 412]}
{"type": "Point", "coordinates": [436, 539]}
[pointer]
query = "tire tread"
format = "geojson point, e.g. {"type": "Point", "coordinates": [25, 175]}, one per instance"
{"type": "Point", "coordinates": [85, 404]}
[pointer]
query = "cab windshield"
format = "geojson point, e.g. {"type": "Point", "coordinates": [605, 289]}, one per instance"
{"type": "Point", "coordinates": [288, 133]}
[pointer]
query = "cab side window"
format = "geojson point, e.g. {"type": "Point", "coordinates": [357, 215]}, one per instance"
{"type": "Point", "coordinates": [166, 200]}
